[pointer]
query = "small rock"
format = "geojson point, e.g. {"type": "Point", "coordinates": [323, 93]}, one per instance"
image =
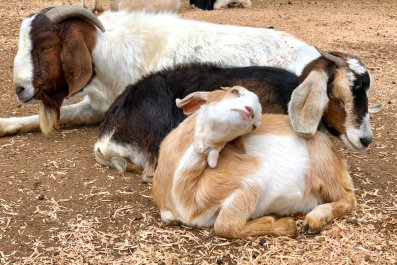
{"type": "Point", "coordinates": [219, 261]}
{"type": "Point", "coordinates": [389, 102]}
{"type": "Point", "coordinates": [128, 190]}
{"type": "Point", "coordinates": [290, 2]}
{"type": "Point", "coordinates": [352, 220]}
{"type": "Point", "coordinates": [262, 242]}
{"type": "Point", "coordinates": [130, 250]}
{"type": "Point", "coordinates": [136, 216]}
{"type": "Point", "coordinates": [40, 197]}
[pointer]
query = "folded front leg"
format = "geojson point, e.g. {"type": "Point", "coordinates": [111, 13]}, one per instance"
{"type": "Point", "coordinates": [233, 217]}
{"type": "Point", "coordinates": [316, 219]}
{"type": "Point", "coordinates": [73, 115]}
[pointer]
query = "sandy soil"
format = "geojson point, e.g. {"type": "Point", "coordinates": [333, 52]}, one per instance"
{"type": "Point", "coordinates": [57, 206]}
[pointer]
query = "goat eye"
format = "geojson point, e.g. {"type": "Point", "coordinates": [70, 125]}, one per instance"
{"type": "Point", "coordinates": [234, 91]}
{"type": "Point", "coordinates": [46, 47]}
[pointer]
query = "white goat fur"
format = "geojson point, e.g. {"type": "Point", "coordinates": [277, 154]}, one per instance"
{"type": "Point", "coordinates": [280, 173]}
{"type": "Point", "coordinates": [138, 43]}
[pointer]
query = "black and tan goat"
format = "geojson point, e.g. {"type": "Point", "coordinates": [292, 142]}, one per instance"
{"type": "Point", "coordinates": [332, 91]}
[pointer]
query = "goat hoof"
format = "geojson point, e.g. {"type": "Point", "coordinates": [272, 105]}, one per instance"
{"type": "Point", "coordinates": [310, 231]}
{"type": "Point", "coordinates": [317, 219]}
{"type": "Point", "coordinates": [8, 128]}
{"type": "Point", "coordinates": [97, 10]}
{"type": "Point", "coordinates": [313, 225]}
{"type": "Point", "coordinates": [147, 179]}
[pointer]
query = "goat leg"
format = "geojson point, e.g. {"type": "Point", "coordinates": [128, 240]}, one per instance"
{"type": "Point", "coordinates": [72, 115]}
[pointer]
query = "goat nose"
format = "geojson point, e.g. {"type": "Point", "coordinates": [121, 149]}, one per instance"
{"type": "Point", "coordinates": [250, 110]}
{"type": "Point", "coordinates": [19, 89]}
{"type": "Point", "coordinates": [366, 141]}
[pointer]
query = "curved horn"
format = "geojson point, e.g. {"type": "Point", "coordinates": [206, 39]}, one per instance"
{"type": "Point", "coordinates": [60, 13]}
{"type": "Point", "coordinates": [375, 108]}
{"type": "Point", "coordinates": [45, 10]}
{"type": "Point", "coordinates": [337, 60]}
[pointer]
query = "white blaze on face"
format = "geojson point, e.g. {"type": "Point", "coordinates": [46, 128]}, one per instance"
{"type": "Point", "coordinates": [353, 136]}
{"type": "Point", "coordinates": [23, 65]}
{"type": "Point", "coordinates": [356, 66]}
{"type": "Point", "coordinates": [357, 136]}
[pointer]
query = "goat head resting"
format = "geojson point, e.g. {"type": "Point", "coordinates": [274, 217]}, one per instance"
{"type": "Point", "coordinates": [326, 94]}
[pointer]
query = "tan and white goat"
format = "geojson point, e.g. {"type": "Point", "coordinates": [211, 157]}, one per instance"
{"type": "Point", "coordinates": [268, 171]}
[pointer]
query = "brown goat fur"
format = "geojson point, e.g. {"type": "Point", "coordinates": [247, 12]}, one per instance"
{"type": "Point", "coordinates": [65, 59]}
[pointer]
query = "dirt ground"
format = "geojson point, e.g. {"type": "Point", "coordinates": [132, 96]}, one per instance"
{"type": "Point", "coordinates": [57, 206]}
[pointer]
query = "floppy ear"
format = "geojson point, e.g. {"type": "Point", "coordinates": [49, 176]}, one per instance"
{"type": "Point", "coordinates": [76, 62]}
{"type": "Point", "coordinates": [192, 102]}
{"type": "Point", "coordinates": [308, 103]}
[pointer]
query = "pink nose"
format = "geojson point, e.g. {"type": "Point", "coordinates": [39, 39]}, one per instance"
{"type": "Point", "coordinates": [250, 110]}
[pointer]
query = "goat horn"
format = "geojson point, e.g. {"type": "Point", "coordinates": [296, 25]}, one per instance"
{"type": "Point", "coordinates": [60, 13]}
{"type": "Point", "coordinates": [45, 10]}
{"type": "Point", "coordinates": [375, 108]}
{"type": "Point", "coordinates": [337, 60]}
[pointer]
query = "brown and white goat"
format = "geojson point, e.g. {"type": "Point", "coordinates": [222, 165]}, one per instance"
{"type": "Point", "coordinates": [268, 171]}
{"type": "Point", "coordinates": [61, 54]}
{"type": "Point", "coordinates": [330, 92]}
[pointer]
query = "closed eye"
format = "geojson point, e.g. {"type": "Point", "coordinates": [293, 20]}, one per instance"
{"type": "Point", "coordinates": [235, 91]}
